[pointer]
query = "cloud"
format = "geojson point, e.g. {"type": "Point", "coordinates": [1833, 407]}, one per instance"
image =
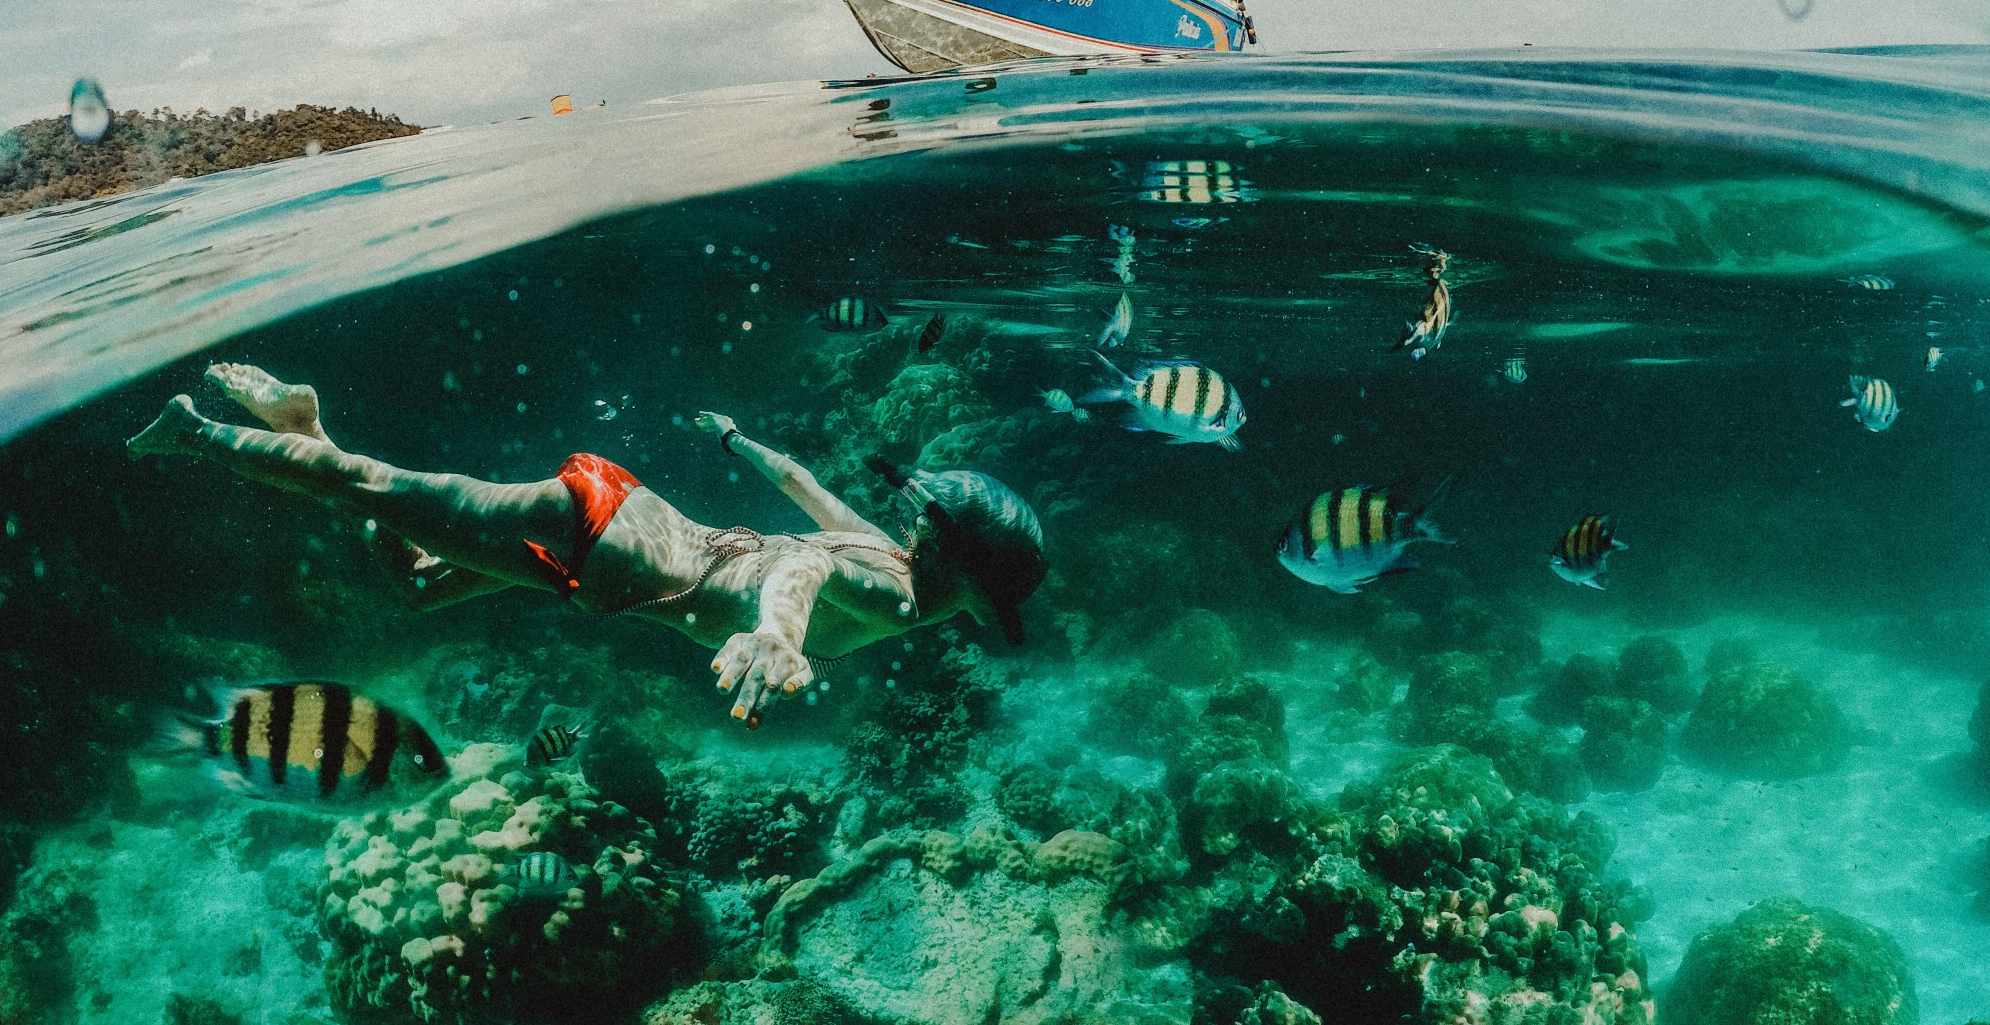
{"type": "Point", "coordinates": [197, 60]}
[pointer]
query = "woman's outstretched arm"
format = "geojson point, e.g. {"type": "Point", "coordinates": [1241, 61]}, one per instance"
{"type": "Point", "coordinates": [828, 511]}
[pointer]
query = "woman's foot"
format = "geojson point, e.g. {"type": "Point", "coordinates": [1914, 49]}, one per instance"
{"type": "Point", "coordinates": [172, 434]}
{"type": "Point", "coordinates": [286, 408]}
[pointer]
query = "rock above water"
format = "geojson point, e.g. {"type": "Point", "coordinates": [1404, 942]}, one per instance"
{"type": "Point", "coordinates": [1783, 962]}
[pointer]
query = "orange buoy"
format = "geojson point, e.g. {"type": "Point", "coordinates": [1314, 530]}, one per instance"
{"type": "Point", "coordinates": [563, 104]}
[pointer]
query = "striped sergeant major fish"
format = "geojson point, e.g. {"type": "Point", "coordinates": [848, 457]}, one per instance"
{"type": "Point", "coordinates": [541, 875]}
{"type": "Point", "coordinates": [1873, 403]}
{"type": "Point", "coordinates": [1425, 334]}
{"type": "Point", "coordinates": [1514, 370]}
{"type": "Point", "coordinates": [1350, 536]}
{"type": "Point", "coordinates": [1191, 181]}
{"type": "Point", "coordinates": [1584, 548]}
{"type": "Point", "coordinates": [852, 313]}
{"type": "Point", "coordinates": [1180, 398]}
{"type": "Point", "coordinates": [1874, 282]}
{"type": "Point", "coordinates": [309, 742]}
{"type": "Point", "coordinates": [554, 743]}
{"type": "Point", "coordinates": [930, 336]}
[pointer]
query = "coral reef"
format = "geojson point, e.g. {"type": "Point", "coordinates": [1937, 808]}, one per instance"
{"type": "Point", "coordinates": [1623, 743]}
{"type": "Point", "coordinates": [917, 733]}
{"type": "Point", "coordinates": [1244, 719]}
{"type": "Point", "coordinates": [1561, 697]}
{"type": "Point", "coordinates": [37, 975]}
{"type": "Point", "coordinates": [1445, 690]}
{"type": "Point", "coordinates": [1763, 720]}
{"type": "Point", "coordinates": [1783, 961]}
{"type": "Point", "coordinates": [1433, 894]}
{"type": "Point", "coordinates": [1653, 669]}
{"type": "Point", "coordinates": [1451, 700]}
{"type": "Point", "coordinates": [1008, 931]}
{"type": "Point", "coordinates": [424, 921]}
{"type": "Point", "coordinates": [1138, 714]}
{"type": "Point", "coordinates": [185, 1010]}
{"type": "Point", "coordinates": [1198, 647]}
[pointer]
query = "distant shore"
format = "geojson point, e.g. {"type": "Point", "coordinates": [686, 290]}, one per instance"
{"type": "Point", "coordinates": [42, 163]}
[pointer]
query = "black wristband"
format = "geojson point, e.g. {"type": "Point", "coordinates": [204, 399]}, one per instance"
{"type": "Point", "coordinates": [725, 440]}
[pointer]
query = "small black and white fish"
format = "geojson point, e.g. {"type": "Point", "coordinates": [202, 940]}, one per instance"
{"type": "Point", "coordinates": [1350, 536]}
{"type": "Point", "coordinates": [1875, 282]}
{"type": "Point", "coordinates": [930, 336]}
{"type": "Point", "coordinates": [554, 743]}
{"type": "Point", "coordinates": [1935, 357]}
{"type": "Point", "coordinates": [1873, 403]}
{"type": "Point", "coordinates": [853, 313]}
{"type": "Point", "coordinates": [1180, 398]}
{"type": "Point", "coordinates": [1580, 556]}
{"type": "Point", "coordinates": [1119, 325]}
{"type": "Point", "coordinates": [1057, 400]}
{"type": "Point", "coordinates": [313, 742]}
{"type": "Point", "coordinates": [1514, 370]}
{"type": "Point", "coordinates": [541, 875]}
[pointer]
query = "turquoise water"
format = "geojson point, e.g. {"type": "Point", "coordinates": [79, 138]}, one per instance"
{"type": "Point", "coordinates": [1162, 807]}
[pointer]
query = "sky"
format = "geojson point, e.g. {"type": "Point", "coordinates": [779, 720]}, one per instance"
{"type": "Point", "coordinates": [464, 61]}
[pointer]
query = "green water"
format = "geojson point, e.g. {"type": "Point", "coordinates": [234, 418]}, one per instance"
{"type": "Point", "coordinates": [1663, 242]}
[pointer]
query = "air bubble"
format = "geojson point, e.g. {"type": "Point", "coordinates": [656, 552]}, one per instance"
{"type": "Point", "coordinates": [676, 419]}
{"type": "Point", "coordinates": [809, 698]}
{"type": "Point", "coordinates": [746, 325]}
{"type": "Point", "coordinates": [905, 608]}
{"type": "Point", "coordinates": [710, 249]}
{"type": "Point", "coordinates": [521, 407]}
{"type": "Point", "coordinates": [890, 684]}
{"type": "Point", "coordinates": [477, 335]}
{"type": "Point", "coordinates": [725, 349]}
{"type": "Point", "coordinates": [732, 476]}
{"type": "Point", "coordinates": [754, 288]}
{"type": "Point", "coordinates": [897, 666]}
{"type": "Point", "coordinates": [523, 369]}
{"type": "Point", "coordinates": [512, 295]}
{"type": "Point", "coordinates": [691, 618]}
{"type": "Point", "coordinates": [13, 525]}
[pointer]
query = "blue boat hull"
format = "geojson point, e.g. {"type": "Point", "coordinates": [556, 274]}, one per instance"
{"type": "Point", "coordinates": [932, 35]}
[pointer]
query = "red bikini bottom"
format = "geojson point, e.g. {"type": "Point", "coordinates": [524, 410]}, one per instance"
{"type": "Point", "coordinates": [598, 488]}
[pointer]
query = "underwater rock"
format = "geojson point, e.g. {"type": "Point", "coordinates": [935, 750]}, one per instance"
{"type": "Point", "coordinates": [185, 1010]}
{"type": "Point", "coordinates": [1783, 962]}
{"type": "Point", "coordinates": [1561, 697]}
{"type": "Point", "coordinates": [934, 929]}
{"type": "Point", "coordinates": [1725, 654]}
{"type": "Point", "coordinates": [1653, 669]}
{"type": "Point", "coordinates": [1623, 743]}
{"type": "Point", "coordinates": [1197, 648]}
{"type": "Point", "coordinates": [423, 923]}
{"type": "Point", "coordinates": [1365, 685]}
{"type": "Point", "coordinates": [1138, 714]}
{"type": "Point", "coordinates": [1764, 721]}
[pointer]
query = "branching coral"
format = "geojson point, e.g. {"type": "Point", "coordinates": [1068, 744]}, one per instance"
{"type": "Point", "coordinates": [424, 922]}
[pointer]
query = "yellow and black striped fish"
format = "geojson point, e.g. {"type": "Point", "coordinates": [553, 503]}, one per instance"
{"type": "Point", "coordinates": [1873, 403]}
{"type": "Point", "coordinates": [853, 313]}
{"type": "Point", "coordinates": [1580, 555]}
{"type": "Point", "coordinates": [1349, 536]}
{"type": "Point", "coordinates": [1180, 398]}
{"type": "Point", "coordinates": [317, 741]}
{"type": "Point", "coordinates": [541, 875]}
{"type": "Point", "coordinates": [553, 744]}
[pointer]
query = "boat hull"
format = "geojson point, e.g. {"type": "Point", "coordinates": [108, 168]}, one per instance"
{"type": "Point", "coordinates": [936, 35]}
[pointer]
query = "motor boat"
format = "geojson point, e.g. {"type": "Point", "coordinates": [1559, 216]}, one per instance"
{"type": "Point", "coordinates": [924, 36]}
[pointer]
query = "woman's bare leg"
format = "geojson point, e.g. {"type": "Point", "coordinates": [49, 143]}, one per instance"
{"type": "Point", "coordinates": [474, 524]}
{"type": "Point", "coordinates": [430, 583]}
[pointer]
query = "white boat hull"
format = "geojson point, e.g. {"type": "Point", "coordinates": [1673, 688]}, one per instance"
{"type": "Point", "coordinates": [923, 36]}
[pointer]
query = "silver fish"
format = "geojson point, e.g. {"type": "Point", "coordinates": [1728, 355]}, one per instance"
{"type": "Point", "coordinates": [1057, 400]}
{"type": "Point", "coordinates": [1875, 282]}
{"type": "Point", "coordinates": [1119, 325]}
{"type": "Point", "coordinates": [1935, 357]}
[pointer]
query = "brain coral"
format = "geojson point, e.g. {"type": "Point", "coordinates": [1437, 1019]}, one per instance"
{"type": "Point", "coordinates": [424, 926]}
{"type": "Point", "coordinates": [1782, 961]}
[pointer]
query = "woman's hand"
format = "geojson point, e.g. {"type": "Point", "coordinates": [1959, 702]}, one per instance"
{"type": "Point", "coordinates": [717, 423]}
{"type": "Point", "coordinates": [762, 664]}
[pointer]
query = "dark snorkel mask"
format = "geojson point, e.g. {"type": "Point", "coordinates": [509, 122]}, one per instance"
{"type": "Point", "coordinates": [1006, 574]}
